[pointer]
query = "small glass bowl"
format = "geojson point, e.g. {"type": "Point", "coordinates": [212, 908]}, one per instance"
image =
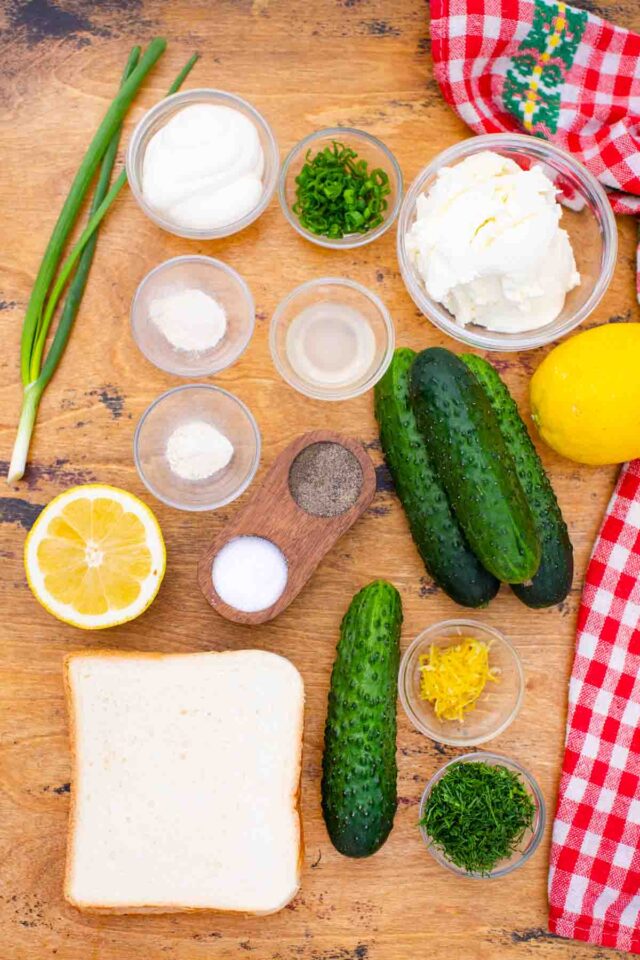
{"type": "Point", "coordinates": [217, 280]}
{"type": "Point", "coordinates": [349, 293]}
{"type": "Point", "coordinates": [158, 116]}
{"type": "Point", "coordinates": [198, 401]}
{"type": "Point", "coordinates": [587, 218]}
{"type": "Point", "coordinates": [529, 842]}
{"type": "Point", "coordinates": [368, 148]}
{"type": "Point", "coordinates": [496, 707]}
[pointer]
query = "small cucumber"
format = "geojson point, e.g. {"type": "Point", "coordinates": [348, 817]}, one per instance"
{"type": "Point", "coordinates": [472, 462]}
{"type": "Point", "coordinates": [552, 582]}
{"type": "Point", "coordinates": [441, 543]}
{"type": "Point", "coordinates": [359, 793]}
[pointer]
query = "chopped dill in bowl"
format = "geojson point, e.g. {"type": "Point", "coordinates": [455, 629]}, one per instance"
{"type": "Point", "coordinates": [337, 194]}
{"type": "Point", "coordinates": [477, 815]}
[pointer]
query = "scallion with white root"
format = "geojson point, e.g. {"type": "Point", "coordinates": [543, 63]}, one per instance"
{"type": "Point", "coordinates": [38, 367]}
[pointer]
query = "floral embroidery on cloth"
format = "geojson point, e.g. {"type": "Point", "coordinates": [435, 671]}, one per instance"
{"type": "Point", "coordinates": [532, 84]}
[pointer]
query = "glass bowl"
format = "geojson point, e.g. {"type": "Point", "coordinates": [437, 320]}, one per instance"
{"type": "Point", "coordinates": [529, 842]}
{"type": "Point", "coordinates": [347, 293]}
{"type": "Point", "coordinates": [156, 118]}
{"type": "Point", "coordinates": [213, 405]}
{"type": "Point", "coordinates": [497, 705]}
{"type": "Point", "coordinates": [368, 148]}
{"type": "Point", "coordinates": [212, 277]}
{"type": "Point", "coordinates": [587, 218]}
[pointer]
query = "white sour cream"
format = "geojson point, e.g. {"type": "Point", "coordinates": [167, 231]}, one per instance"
{"type": "Point", "coordinates": [203, 169]}
{"type": "Point", "coordinates": [488, 245]}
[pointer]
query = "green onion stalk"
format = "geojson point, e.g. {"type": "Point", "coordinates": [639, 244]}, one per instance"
{"type": "Point", "coordinates": [48, 287]}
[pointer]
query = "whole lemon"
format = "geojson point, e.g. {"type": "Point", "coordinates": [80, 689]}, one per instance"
{"type": "Point", "coordinates": [585, 395]}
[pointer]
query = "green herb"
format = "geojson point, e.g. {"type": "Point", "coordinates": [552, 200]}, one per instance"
{"type": "Point", "coordinates": [337, 194]}
{"type": "Point", "coordinates": [477, 814]}
{"type": "Point", "coordinates": [48, 287]}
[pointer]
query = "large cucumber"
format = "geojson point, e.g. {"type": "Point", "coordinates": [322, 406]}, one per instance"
{"type": "Point", "coordinates": [359, 771]}
{"type": "Point", "coordinates": [552, 582]}
{"type": "Point", "coordinates": [472, 462]}
{"type": "Point", "coordinates": [441, 543]}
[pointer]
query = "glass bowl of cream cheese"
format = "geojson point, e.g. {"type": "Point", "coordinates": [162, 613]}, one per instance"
{"type": "Point", "coordinates": [203, 164]}
{"type": "Point", "coordinates": [505, 242]}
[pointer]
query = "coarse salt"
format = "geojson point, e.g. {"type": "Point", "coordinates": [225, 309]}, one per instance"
{"type": "Point", "coordinates": [249, 573]}
{"type": "Point", "coordinates": [196, 450]}
{"type": "Point", "coordinates": [189, 319]}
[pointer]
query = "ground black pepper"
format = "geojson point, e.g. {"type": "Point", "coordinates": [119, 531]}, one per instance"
{"type": "Point", "coordinates": [325, 479]}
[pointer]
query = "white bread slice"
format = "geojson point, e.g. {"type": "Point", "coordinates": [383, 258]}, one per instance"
{"type": "Point", "coordinates": [186, 780]}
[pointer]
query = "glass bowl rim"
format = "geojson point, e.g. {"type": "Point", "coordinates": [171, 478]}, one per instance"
{"type": "Point", "coordinates": [351, 241]}
{"type": "Point", "coordinates": [537, 149]}
{"type": "Point", "coordinates": [216, 504]}
{"type": "Point", "coordinates": [195, 95]}
{"type": "Point", "coordinates": [441, 627]}
{"type": "Point", "coordinates": [380, 306]}
{"type": "Point", "coordinates": [210, 262]}
{"type": "Point", "coordinates": [532, 785]}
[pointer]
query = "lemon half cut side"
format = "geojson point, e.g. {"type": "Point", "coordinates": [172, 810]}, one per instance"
{"type": "Point", "coordinates": [95, 557]}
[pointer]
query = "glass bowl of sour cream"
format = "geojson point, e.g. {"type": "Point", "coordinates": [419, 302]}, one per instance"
{"type": "Point", "coordinates": [203, 164]}
{"type": "Point", "coordinates": [197, 447]}
{"type": "Point", "coordinates": [505, 242]}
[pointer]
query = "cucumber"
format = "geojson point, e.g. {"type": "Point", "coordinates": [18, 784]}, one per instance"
{"type": "Point", "coordinates": [552, 582]}
{"type": "Point", "coordinates": [441, 543]}
{"type": "Point", "coordinates": [359, 794]}
{"type": "Point", "coordinates": [472, 462]}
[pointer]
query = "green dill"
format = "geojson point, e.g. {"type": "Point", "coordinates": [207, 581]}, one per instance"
{"type": "Point", "coordinates": [337, 194]}
{"type": "Point", "coordinates": [477, 814]}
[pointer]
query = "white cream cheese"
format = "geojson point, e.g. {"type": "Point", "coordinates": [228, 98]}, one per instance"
{"type": "Point", "coordinates": [487, 244]}
{"type": "Point", "coordinates": [204, 168]}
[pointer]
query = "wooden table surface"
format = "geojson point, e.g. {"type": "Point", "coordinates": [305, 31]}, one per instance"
{"type": "Point", "coordinates": [305, 65]}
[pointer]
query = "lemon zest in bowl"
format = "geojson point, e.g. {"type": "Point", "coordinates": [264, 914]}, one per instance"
{"type": "Point", "coordinates": [453, 678]}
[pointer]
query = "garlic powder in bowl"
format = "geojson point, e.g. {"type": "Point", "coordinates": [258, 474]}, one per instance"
{"type": "Point", "coordinates": [196, 450]}
{"type": "Point", "coordinates": [192, 316]}
{"type": "Point", "coordinates": [190, 319]}
{"type": "Point", "coordinates": [197, 447]}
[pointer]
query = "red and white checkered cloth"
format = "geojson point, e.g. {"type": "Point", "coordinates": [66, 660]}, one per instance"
{"type": "Point", "coordinates": [549, 69]}
{"type": "Point", "coordinates": [558, 72]}
{"type": "Point", "coordinates": [594, 877]}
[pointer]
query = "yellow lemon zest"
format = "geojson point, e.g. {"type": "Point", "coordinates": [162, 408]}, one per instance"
{"type": "Point", "coordinates": [452, 678]}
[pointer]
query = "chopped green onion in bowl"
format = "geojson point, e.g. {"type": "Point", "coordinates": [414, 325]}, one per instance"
{"type": "Point", "coordinates": [337, 193]}
{"type": "Point", "coordinates": [340, 188]}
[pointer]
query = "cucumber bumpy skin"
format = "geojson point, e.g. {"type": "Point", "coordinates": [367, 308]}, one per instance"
{"type": "Point", "coordinates": [359, 793]}
{"type": "Point", "coordinates": [552, 582]}
{"type": "Point", "coordinates": [447, 556]}
{"type": "Point", "coordinates": [472, 462]}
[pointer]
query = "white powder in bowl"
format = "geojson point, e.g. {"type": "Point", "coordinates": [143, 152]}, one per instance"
{"type": "Point", "coordinates": [249, 573]}
{"type": "Point", "coordinates": [196, 450]}
{"type": "Point", "coordinates": [189, 319]}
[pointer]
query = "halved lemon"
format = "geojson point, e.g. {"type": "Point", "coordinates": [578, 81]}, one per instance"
{"type": "Point", "coordinates": [95, 557]}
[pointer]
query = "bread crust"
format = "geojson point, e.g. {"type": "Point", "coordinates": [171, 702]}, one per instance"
{"type": "Point", "coordinates": [97, 908]}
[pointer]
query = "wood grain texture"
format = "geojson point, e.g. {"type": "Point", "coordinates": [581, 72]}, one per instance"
{"type": "Point", "coordinates": [359, 62]}
{"type": "Point", "coordinates": [272, 513]}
